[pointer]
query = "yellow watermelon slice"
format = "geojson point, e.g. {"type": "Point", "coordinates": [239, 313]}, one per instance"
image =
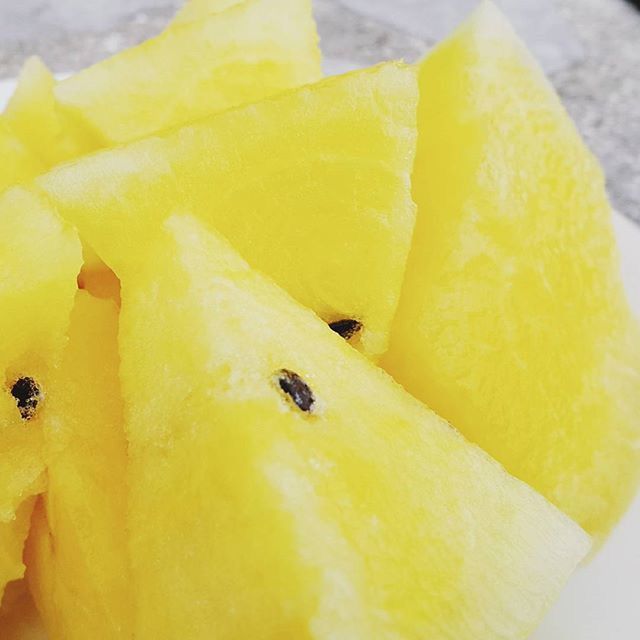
{"type": "Point", "coordinates": [77, 558]}
{"type": "Point", "coordinates": [513, 323]}
{"type": "Point", "coordinates": [36, 118]}
{"type": "Point", "coordinates": [329, 216]}
{"type": "Point", "coordinates": [17, 163]}
{"type": "Point", "coordinates": [39, 260]}
{"type": "Point", "coordinates": [246, 53]}
{"type": "Point", "coordinates": [283, 487]}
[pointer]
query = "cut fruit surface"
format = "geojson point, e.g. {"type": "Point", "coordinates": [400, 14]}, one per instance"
{"type": "Point", "coordinates": [256, 50]}
{"type": "Point", "coordinates": [513, 322]}
{"type": "Point", "coordinates": [77, 553]}
{"type": "Point", "coordinates": [245, 53]}
{"type": "Point", "coordinates": [35, 117]}
{"type": "Point", "coordinates": [17, 164]}
{"type": "Point", "coordinates": [296, 485]}
{"type": "Point", "coordinates": [329, 216]}
{"type": "Point", "coordinates": [39, 260]}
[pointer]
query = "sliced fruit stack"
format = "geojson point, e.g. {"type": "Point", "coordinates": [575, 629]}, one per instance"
{"type": "Point", "coordinates": [197, 438]}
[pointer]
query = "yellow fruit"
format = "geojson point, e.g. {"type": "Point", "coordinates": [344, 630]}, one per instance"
{"type": "Point", "coordinates": [19, 619]}
{"type": "Point", "coordinates": [313, 188]}
{"type": "Point", "coordinates": [199, 9]}
{"type": "Point", "coordinates": [258, 49]}
{"type": "Point", "coordinates": [31, 109]}
{"type": "Point", "coordinates": [283, 487]}
{"type": "Point", "coordinates": [17, 163]}
{"type": "Point", "coordinates": [513, 323]}
{"type": "Point", "coordinates": [13, 533]}
{"type": "Point", "coordinates": [240, 55]}
{"type": "Point", "coordinates": [35, 117]}
{"type": "Point", "coordinates": [77, 560]}
{"type": "Point", "coordinates": [39, 260]}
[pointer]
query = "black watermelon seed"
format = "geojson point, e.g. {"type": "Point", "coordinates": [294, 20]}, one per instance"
{"type": "Point", "coordinates": [297, 390]}
{"type": "Point", "coordinates": [347, 328]}
{"type": "Point", "coordinates": [27, 393]}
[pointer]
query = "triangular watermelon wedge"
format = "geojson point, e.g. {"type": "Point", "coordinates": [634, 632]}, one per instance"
{"type": "Point", "coordinates": [282, 486]}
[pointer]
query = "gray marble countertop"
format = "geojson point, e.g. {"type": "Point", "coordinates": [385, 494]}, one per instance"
{"type": "Point", "coordinates": [590, 48]}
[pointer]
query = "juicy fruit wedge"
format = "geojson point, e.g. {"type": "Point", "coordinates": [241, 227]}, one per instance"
{"type": "Point", "coordinates": [513, 323]}
{"type": "Point", "coordinates": [199, 9]}
{"type": "Point", "coordinates": [39, 261]}
{"type": "Point", "coordinates": [329, 215]}
{"type": "Point", "coordinates": [39, 135]}
{"type": "Point", "coordinates": [283, 487]}
{"type": "Point", "coordinates": [243, 54]}
{"type": "Point", "coordinates": [76, 557]}
{"type": "Point", "coordinates": [258, 49]}
{"type": "Point", "coordinates": [19, 619]}
{"type": "Point", "coordinates": [17, 163]}
{"type": "Point", "coordinates": [37, 120]}
{"type": "Point", "coordinates": [31, 110]}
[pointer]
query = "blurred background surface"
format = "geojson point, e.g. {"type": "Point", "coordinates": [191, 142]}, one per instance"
{"type": "Point", "coordinates": [590, 48]}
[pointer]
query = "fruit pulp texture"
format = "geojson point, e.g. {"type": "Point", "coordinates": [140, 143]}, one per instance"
{"type": "Point", "coordinates": [337, 190]}
{"type": "Point", "coordinates": [40, 257]}
{"type": "Point", "coordinates": [331, 506]}
{"type": "Point", "coordinates": [77, 552]}
{"type": "Point", "coordinates": [513, 322]}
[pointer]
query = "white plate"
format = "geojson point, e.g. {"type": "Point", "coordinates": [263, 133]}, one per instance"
{"type": "Point", "coordinates": [602, 600]}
